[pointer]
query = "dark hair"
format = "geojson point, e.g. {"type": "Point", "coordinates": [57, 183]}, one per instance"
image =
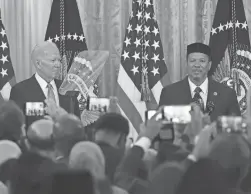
{"type": "Point", "coordinates": [204, 176]}
{"type": "Point", "coordinates": [6, 170]}
{"type": "Point", "coordinates": [32, 174]}
{"type": "Point", "coordinates": [112, 122]}
{"type": "Point", "coordinates": [11, 121]}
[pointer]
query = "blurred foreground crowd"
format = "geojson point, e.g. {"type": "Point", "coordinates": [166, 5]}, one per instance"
{"type": "Point", "coordinates": [58, 155]}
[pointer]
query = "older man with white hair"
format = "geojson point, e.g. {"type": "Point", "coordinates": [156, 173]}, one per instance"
{"type": "Point", "coordinates": [43, 85]}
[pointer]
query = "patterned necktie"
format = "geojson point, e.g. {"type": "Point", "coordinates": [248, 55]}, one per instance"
{"type": "Point", "coordinates": [50, 94]}
{"type": "Point", "coordinates": [197, 98]}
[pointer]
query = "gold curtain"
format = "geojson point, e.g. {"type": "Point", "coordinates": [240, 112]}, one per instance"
{"type": "Point", "coordinates": [104, 22]}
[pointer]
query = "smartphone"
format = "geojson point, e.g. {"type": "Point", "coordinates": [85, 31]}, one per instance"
{"type": "Point", "coordinates": [179, 114]}
{"type": "Point", "coordinates": [98, 104]}
{"type": "Point", "coordinates": [232, 124]}
{"type": "Point", "coordinates": [33, 111]}
{"type": "Point", "coordinates": [71, 181]}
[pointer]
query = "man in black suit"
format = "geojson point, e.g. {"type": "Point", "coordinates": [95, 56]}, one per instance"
{"type": "Point", "coordinates": [43, 85]}
{"type": "Point", "coordinates": [213, 97]}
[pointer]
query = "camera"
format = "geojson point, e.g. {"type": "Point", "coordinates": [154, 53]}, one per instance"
{"type": "Point", "coordinates": [98, 104]}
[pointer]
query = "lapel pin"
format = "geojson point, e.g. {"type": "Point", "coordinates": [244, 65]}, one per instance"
{"type": "Point", "coordinates": [215, 93]}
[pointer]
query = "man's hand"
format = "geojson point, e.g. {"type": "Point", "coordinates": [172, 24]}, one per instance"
{"type": "Point", "coordinates": [53, 110]}
{"type": "Point", "coordinates": [152, 127]}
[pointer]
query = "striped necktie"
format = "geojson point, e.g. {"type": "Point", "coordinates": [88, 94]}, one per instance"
{"type": "Point", "coordinates": [50, 94]}
{"type": "Point", "coordinates": [197, 98]}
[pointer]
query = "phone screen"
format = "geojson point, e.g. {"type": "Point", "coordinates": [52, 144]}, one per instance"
{"type": "Point", "coordinates": [177, 114]}
{"type": "Point", "coordinates": [33, 111]}
{"type": "Point", "coordinates": [98, 104]}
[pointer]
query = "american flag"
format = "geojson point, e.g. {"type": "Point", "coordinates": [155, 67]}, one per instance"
{"type": "Point", "coordinates": [7, 76]}
{"type": "Point", "coordinates": [231, 51]}
{"type": "Point", "coordinates": [66, 31]}
{"type": "Point", "coordinates": [142, 65]}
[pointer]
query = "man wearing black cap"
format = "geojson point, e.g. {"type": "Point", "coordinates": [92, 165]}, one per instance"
{"type": "Point", "coordinates": [214, 98]}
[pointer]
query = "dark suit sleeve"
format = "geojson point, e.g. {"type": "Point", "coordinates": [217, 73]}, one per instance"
{"type": "Point", "coordinates": [15, 96]}
{"type": "Point", "coordinates": [127, 171]}
{"type": "Point", "coordinates": [234, 108]}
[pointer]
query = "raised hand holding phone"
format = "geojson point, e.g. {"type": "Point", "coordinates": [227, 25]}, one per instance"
{"type": "Point", "coordinates": [196, 124]}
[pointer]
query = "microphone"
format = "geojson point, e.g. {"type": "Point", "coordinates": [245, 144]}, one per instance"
{"type": "Point", "coordinates": [210, 107]}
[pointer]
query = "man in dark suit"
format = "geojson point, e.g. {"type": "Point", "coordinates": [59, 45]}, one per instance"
{"type": "Point", "coordinates": [43, 85]}
{"type": "Point", "coordinates": [213, 97]}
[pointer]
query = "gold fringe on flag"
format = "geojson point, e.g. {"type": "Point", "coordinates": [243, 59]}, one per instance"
{"type": "Point", "coordinates": [145, 91]}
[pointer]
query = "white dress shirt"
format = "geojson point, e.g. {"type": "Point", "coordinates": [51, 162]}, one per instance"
{"type": "Point", "coordinates": [203, 87]}
{"type": "Point", "coordinates": [43, 84]}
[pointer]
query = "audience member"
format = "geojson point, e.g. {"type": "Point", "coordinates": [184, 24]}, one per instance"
{"type": "Point", "coordinates": [8, 150]}
{"type": "Point", "coordinates": [33, 174]}
{"type": "Point", "coordinates": [165, 178]}
{"type": "Point", "coordinates": [233, 154]}
{"type": "Point", "coordinates": [6, 169]}
{"type": "Point", "coordinates": [203, 177]}
{"type": "Point", "coordinates": [68, 130]}
{"type": "Point", "coordinates": [88, 156]}
{"type": "Point", "coordinates": [12, 122]}
{"type": "Point", "coordinates": [40, 138]}
{"type": "Point", "coordinates": [111, 131]}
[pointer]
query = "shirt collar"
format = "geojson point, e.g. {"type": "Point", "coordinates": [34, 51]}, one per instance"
{"type": "Point", "coordinates": [203, 86]}
{"type": "Point", "coordinates": [43, 83]}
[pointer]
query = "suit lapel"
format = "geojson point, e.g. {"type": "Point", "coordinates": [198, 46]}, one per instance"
{"type": "Point", "coordinates": [60, 97]}
{"type": "Point", "coordinates": [187, 90]}
{"type": "Point", "coordinates": [212, 97]}
{"type": "Point", "coordinates": [37, 91]}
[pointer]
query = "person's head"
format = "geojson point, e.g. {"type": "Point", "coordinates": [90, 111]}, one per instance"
{"type": "Point", "coordinates": [232, 152]}
{"type": "Point", "coordinates": [204, 176]}
{"type": "Point", "coordinates": [46, 59]}
{"type": "Point", "coordinates": [112, 128]}
{"type": "Point", "coordinates": [32, 173]}
{"type": "Point", "coordinates": [68, 130]}
{"type": "Point", "coordinates": [40, 137]}
{"type": "Point", "coordinates": [198, 62]}
{"type": "Point", "coordinates": [87, 155]}
{"type": "Point", "coordinates": [8, 150]}
{"type": "Point", "coordinates": [12, 122]}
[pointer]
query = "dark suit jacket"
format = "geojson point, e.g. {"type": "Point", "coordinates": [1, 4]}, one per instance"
{"type": "Point", "coordinates": [223, 97]}
{"type": "Point", "coordinates": [29, 90]}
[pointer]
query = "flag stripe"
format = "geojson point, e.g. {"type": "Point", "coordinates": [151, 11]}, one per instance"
{"type": "Point", "coordinates": [131, 91]}
{"type": "Point", "coordinates": [5, 92]}
{"type": "Point", "coordinates": [128, 107]}
{"type": "Point", "coordinates": [156, 90]}
{"type": "Point", "coordinates": [133, 132]}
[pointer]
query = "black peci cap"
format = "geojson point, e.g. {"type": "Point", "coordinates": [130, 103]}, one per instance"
{"type": "Point", "coordinates": [198, 48]}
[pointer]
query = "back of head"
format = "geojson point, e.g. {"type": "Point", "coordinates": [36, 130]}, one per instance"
{"type": "Point", "coordinates": [165, 178]}
{"type": "Point", "coordinates": [233, 154]}
{"type": "Point", "coordinates": [8, 150]}
{"type": "Point", "coordinates": [40, 135]}
{"type": "Point", "coordinates": [113, 123]}
{"type": "Point", "coordinates": [204, 176]}
{"type": "Point", "coordinates": [11, 121]}
{"type": "Point", "coordinates": [32, 174]}
{"type": "Point", "coordinates": [68, 130]}
{"type": "Point", "coordinates": [88, 156]}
